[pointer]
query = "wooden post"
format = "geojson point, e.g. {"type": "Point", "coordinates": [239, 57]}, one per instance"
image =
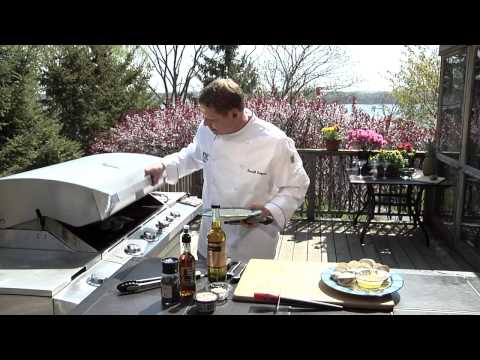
{"type": "Point", "coordinates": [428, 206]}
{"type": "Point", "coordinates": [311, 158]}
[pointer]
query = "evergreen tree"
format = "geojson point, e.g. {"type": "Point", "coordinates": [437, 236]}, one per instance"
{"type": "Point", "coordinates": [28, 138]}
{"type": "Point", "coordinates": [90, 87]}
{"type": "Point", "coordinates": [224, 63]}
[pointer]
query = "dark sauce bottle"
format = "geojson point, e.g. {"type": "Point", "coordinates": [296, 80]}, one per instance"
{"type": "Point", "coordinates": [187, 268]}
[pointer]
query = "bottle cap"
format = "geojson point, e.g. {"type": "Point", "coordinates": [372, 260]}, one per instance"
{"type": "Point", "coordinates": [170, 265]}
{"type": "Point", "coordinates": [186, 236]}
{"type": "Point", "coordinates": [186, 228]}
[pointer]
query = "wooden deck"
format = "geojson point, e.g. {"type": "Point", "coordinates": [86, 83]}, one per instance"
{"type": "Point", "coordinates": [338, 241]}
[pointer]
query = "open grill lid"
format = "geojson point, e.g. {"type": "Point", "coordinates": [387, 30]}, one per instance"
{"type": "Point", "coordinates": [76, 192]}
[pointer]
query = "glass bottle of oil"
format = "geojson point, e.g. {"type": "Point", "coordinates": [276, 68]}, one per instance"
{"type": "Point", "coordinates": [217, 253]}
{"type": "Point", "coordinates": [187, 267]}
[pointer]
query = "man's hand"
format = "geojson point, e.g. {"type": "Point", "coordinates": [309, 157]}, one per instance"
{"type": "Point", "coordinates": [265, 213]}
{"type": "Point", "coordinates": [155, 172]}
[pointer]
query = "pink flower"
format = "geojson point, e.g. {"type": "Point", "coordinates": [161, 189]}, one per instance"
{"type": "Point", "coordinates": [162, 131]}
{"type": "Point", "coordinates": [365, 139]}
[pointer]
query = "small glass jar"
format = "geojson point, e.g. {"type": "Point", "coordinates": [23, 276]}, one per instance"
{"type": "Point", "coordinates": [170, 283]}
{"type": "Point", "coordinates": [205, 302]}
{"type": "Point", "coordinates": [221, 289]}
{"type": "Point", "coordinates": [372, 278]}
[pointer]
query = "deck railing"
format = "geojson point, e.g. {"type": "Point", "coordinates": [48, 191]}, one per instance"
{"type": "Point", "coordinates": [191, 184]}
{"type": "Point", "coordinates": [329, 194]}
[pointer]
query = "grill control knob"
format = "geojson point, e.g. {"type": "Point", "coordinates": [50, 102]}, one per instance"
{"type": "Point", "coordinates": [175, 214]}
{"type": "Point", "coordinates": [168, 218]}
{"type": "Point", "coordinates": [161, 225]}
{"type": "Point", "coordinates": [95, 280]}
{"type": "Point", "coordinates": [132, 249]}
{"type": "Point", "coordinates": [149, 236]}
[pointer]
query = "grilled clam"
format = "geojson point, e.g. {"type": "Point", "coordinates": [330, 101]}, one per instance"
{"type": "Point", "coordinates": [379, 266]}
{"type": "Point", "coordinates": [344, 278]}
{"type": "Point", "coordinates": [345, 274]}
{"type": "Point", "coordinates": [341, 267]}
{"type": "Point", "coordinates": [369, 262]}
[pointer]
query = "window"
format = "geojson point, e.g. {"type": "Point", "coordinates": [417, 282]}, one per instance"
{"type": "Point", "coordinates": [447, 197]}
{"type": "Point", "coordinates": [470, 226]}
{"type": "Point", "coordinates": [450, 119]}
{"type": "Point", "coordinates": [473, 142]}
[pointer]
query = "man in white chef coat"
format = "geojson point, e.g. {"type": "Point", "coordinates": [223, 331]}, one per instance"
{"type": "Point", "coordinates": [247, 163]}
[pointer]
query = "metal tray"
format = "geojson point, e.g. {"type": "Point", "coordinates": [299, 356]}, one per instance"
{"type": "Point", "coordinates": [234, 214]}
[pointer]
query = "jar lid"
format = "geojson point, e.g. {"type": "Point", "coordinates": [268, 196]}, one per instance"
{"type": "Point", "coordinates": [215, 206]}
{"type": "Point", "coordinates": [170, 265]}
{"type": "Point", "coordinates": [206, 297]}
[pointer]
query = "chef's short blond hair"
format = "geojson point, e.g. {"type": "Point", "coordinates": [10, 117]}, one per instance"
{"type": "Point", "coordinates": [223, 95]}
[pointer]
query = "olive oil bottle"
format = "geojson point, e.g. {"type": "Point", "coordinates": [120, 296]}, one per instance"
{"type": "Point", "coordinates": [217, 252]}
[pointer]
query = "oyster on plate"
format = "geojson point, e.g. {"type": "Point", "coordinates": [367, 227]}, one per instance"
{"type": "Point", "coordinates": [345, 273]}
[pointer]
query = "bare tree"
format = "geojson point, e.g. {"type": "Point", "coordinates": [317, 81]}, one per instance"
{"type": "Point", "coordinates": [167, 61]}
{"type": "Point", "coordinates": [292, 68]}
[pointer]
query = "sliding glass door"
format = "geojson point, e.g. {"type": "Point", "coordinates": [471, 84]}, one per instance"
{"type": "Point", "coordinates": [458, 145]}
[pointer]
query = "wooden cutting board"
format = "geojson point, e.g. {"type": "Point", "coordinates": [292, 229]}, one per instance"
{"type": "Point", "coordinates": [300, 280]}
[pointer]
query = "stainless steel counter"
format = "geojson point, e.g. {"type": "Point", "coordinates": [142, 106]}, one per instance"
{"type": "Point", "coordinates": [425, 292]}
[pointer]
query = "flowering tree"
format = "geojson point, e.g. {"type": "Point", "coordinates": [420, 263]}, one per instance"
{"type": "Point", "coordinates": [302, 119]}
{"type": "Point", "coordinates": [153, 131]}
{"type": "Point", "coordinates": [162, 131]}
{"type": "Point", "coordinates": [395, 130]}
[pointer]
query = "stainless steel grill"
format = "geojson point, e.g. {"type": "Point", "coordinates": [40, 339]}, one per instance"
{"type": "Point", "coordinates": [66, 227]}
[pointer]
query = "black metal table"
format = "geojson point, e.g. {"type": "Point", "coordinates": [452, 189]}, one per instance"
{"type": "Point", "coordinates": [411, 199]}
{"type": "Point", "coordinates": [424, 292]}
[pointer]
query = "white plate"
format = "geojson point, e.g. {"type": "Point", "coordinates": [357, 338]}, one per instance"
{"type": "Point", "coordinates": [395, 283]}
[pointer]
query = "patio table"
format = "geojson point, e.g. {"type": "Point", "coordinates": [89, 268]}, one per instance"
{"type": "Point", "coordinates": [411, 199]}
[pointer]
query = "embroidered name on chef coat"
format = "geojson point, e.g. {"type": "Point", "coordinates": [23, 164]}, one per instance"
{"type": "Point", "coordinates": [256, 172]}
{"type": "Point", "coordinates": [205, 157]}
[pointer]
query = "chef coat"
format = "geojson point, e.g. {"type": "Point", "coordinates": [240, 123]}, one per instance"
{"type": "Point", "coordinates": [258, 164]}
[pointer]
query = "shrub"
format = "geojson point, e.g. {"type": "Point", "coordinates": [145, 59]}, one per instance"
{"type": "Point", "coordinates": [152, 131]}
{"type": "Point", "coordinates": [158, 131]}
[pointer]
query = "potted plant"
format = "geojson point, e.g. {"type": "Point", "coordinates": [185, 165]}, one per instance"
{"type": "Point", "coordinates": [408, 152]}
{"type": "Point", "coordinates": [395, 161]}
{"type": "Point", "coordinates": [331, 137]}
{"type": "Point", "coordinates": [365, 140]}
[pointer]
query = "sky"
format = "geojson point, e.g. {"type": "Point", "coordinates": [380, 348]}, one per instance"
{"type": "Point", "coordinates": [369, 64]}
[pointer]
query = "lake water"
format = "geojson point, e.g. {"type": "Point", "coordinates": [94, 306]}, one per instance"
{"type": "Point", "coordinates": [372, 109]}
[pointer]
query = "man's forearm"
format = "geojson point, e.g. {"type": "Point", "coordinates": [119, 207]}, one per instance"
{"type": "Point", "coordinates": [284, 204]}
